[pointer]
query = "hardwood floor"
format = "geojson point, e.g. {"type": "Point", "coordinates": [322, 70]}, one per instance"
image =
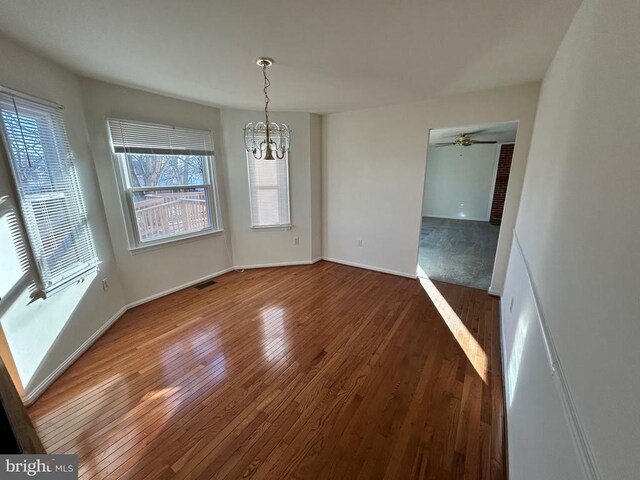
{"type": "Point", "coordinates": [319, 371]}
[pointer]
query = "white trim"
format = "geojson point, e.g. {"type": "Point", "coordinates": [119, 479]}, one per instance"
{"type": "Point", "coordinates": [370, 267]}
{"type": "Point", "coordinates": [171, 241]}
{"type": "Point", "coordinates": [495, 293]}
{"type": "Point", "coordinates": [276, 264]}
{"type": "Point", "coordinates": [33, 395]}
{"type": "Point", "coordinates": [475, 219]}
{"type": "Point", "coordinates": [578, 434]}
{"type": "Point", "coordinates": [257, 228]}
{"type": "Point", "coordinates": [171, 290]}
{"type": "Point", "coordinates": [503, 360]}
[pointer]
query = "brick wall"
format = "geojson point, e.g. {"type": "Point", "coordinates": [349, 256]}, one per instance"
{"type": "Point", "coordinates": [502, 179]}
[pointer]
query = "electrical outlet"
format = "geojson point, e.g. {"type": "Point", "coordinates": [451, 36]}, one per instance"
{"type": "Point", "coordinates": [296, 240]}
{"type": "Point", "coordinates": [105, 284]}
{"type": "Point", "coordinates": [359, 242]}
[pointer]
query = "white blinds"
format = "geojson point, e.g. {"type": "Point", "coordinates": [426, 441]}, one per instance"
{"type": "Point", "coordinates": [269, 192]}
{"type": "Point", "coordinates": [137, 137]}
{"type": "Point", "coordinates": [50, 198]}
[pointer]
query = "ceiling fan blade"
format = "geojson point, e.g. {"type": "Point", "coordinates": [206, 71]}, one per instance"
{"type": "Point", "coordinates": [475, 132]}
{"type": "Point", "coordinates": [443, 144]}
{"type": "Point", "coordinates": [479, 141]}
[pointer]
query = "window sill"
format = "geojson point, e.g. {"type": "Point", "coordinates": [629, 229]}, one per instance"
{"type": "Point", "coordinates": [171, 242]}
{"type": "Point", "coordinates": [74, 279]}
{"type": "Point", "coordinates": [271, 227]}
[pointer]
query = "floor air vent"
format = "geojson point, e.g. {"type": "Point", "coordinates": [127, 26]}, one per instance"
{"type": "Point", "coordinates": [204, 285]}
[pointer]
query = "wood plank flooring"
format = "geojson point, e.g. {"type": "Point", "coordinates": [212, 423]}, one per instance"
{"type": "Point", "coordinates": [320, 371]}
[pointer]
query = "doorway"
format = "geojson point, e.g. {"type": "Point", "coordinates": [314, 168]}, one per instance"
{"type": "Point", "coordinates": [463, 201]}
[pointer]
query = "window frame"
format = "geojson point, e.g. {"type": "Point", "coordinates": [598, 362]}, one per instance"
{"type": "Point", "coordinates": [275, 226]}
{"type": "Point", "coordinates": [127, 192]}
{"type": "Point", "coordinates": [44, 111]}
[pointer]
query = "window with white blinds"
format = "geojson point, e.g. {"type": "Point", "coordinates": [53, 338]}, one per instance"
{"type": "Point", "coordinates": [269, 192]}
{"type": "Point", "coordinates": [50, 198]}
{"type": "Point", "coordinates": [168, 176]}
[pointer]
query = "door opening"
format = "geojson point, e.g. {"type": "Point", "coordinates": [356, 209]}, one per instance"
{"type": "Point", "coordinates": [463, 201]}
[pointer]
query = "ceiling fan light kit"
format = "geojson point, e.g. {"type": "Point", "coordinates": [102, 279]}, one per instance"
{"type": "Point", "coordinates": [267, 140]}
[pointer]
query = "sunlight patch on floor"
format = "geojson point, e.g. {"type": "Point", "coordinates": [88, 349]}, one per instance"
{"type": "Point", "coordinates": [472, 349]}
{"type": "Point", "coordinates": [274, 333]}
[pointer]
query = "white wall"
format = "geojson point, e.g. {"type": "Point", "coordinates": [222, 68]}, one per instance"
{"type": "Point", "coordinates": [154, 271]}
{"type": "Point", "coordinates": [374, 166]}
{"type": "Point", "coordinates": [540, 442]}
{"type": "Point", "coordinates": [459, 182]}
{"type": "Point", "coordinates": [272, 246]}
{"type": "Point", "coordinates": [578, 226]}
{"type": "Point", "coordinates": [43, 334]}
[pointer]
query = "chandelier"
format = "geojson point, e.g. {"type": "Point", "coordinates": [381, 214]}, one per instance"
{"type": "Point", "coordinates": [267, 140]}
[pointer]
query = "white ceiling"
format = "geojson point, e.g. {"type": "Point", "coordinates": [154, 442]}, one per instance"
{"type": "Point", "coordinates": [496, 132]}
{"type": "Point", "coordinates": [331, 55]}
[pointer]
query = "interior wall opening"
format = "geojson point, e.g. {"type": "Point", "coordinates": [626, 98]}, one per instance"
{"type": "Point", "coordinates": [463, 202]}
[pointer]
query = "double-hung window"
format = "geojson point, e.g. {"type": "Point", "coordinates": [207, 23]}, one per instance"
{"type": "Point", "coordinates": [48, 190]}
{"type": "Point", "coordinates": [269, 192]}
{"type": "Point", "coordinates": [168, 177]}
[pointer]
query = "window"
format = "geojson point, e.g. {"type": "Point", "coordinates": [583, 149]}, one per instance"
{"type": "Point", "coordinates": [269, 192]}
{"type": "Point", "coordinates": [48, 190]}
{"type": "Point", "coordinates": [168, 176]}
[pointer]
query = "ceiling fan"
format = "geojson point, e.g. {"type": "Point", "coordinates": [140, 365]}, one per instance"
{"type": "Point", "coordinates": [464, 140]}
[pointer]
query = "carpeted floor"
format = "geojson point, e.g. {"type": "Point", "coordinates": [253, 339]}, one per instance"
{"type": "Point", "coordinates": [458, 251]}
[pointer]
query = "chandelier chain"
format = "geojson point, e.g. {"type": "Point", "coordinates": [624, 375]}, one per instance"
{"type": "Point", "coordinates": [267, 83]}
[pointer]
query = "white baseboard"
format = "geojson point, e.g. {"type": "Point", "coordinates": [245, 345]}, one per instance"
{"type": "Point", "coordinates": [42, 386]}
{"type": "Point", "coordinates": [474, 219]}
{"type": "Point", "coordinates": [276, 264]}
{"type": "Point", "coordinates": [495, 293]}
{"type": "Point", "coordinates": [370, 267]}
{"type": "Point", "coordinates": [171, 290]}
